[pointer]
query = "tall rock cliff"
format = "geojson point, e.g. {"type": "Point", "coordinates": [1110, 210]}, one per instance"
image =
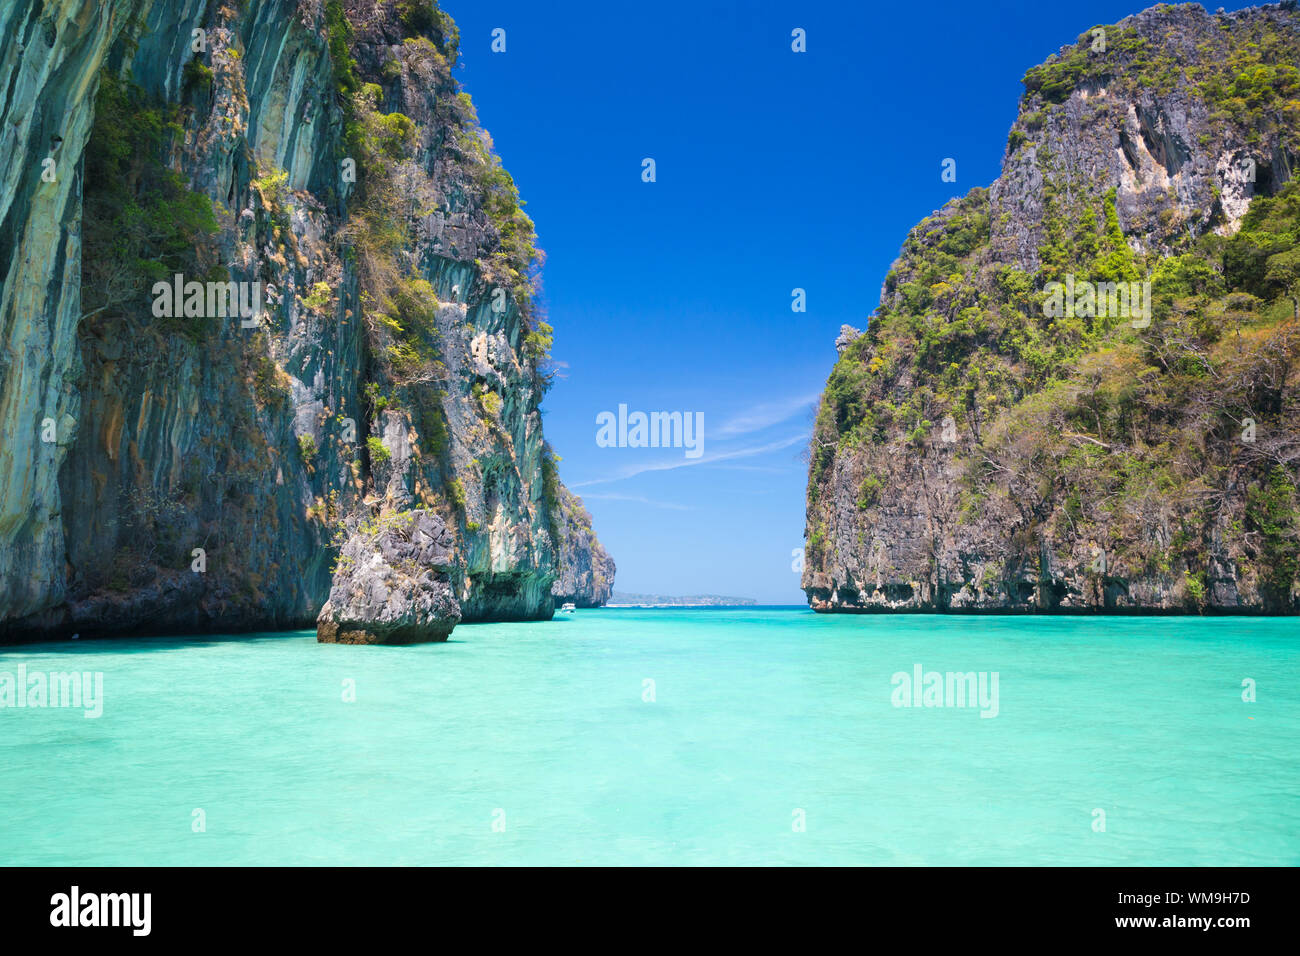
{"type": "Point", "coordinates": [586, 570]}
{"type": "Point", "coordinates": [1017, 430]}
{"type": "Point", "coordinates": [174, 464]}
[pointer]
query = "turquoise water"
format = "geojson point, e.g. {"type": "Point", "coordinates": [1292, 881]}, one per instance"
{"type": "Point", "coordinates": [757, 713]}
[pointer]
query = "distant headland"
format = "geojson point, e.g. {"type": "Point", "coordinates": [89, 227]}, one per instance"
{"type": "Point", "coordinates": [625, 599]}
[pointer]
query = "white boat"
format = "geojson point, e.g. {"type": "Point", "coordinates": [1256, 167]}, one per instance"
{"type": "Point", "coordinates": [567, 607]}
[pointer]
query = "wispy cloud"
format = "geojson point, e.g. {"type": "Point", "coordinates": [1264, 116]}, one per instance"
{"type": "Point", "coordinates": [635, 470]}
{"type": "Point", "coordinates": [672, 506]}
{"type": "Point", "coordinates": [762, 416]}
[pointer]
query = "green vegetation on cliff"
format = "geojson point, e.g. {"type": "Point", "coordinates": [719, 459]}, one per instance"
{"type": "Point", "coordinates": [1247, 74]}
{"type": "Point", "coordinates": [410, 173]}
{"type": "Point", "coordinates": [1085, 424]}
{"type": "Point", "coordinates": [1089, 412]}
{"type": "Point", "coordinates": [142, 222]}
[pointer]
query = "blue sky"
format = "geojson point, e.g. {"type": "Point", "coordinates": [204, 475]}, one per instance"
{"type": "Point", "coordinates": [775, 170]}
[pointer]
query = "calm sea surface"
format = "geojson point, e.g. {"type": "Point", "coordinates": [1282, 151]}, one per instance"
{"type": "Point", "coordinates": [623, 736]}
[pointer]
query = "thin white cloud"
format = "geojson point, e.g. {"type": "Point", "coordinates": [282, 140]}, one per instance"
{"type": "Point", "coordinates": [762, 416]}
{"type": "Point", "coordinates": [672, 506]}
{"type": "Point", "coordinates": [688, 462]}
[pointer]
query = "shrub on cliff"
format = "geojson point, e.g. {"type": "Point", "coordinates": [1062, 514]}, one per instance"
{"type": "Point", "coordinates": [141, 221]}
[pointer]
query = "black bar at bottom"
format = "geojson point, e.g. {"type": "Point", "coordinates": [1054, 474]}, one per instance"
{"type": "Point", "coordinates": [334, 905]}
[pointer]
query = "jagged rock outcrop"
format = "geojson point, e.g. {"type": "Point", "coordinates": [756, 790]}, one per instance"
{"type": "Point", "coordinates": [586, 570]}
{"type": "Point", "coordinates": [981, 449]}
{"type": "Point", "coordinates": [848, 335]}
{"type": "Point", "coordinates": [391, 585]}
{"type": "Point", "coordinates": [182, 472]}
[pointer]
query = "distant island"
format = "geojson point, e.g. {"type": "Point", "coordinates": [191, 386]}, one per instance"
{"type": "Point", "coordinates": [624, 599]}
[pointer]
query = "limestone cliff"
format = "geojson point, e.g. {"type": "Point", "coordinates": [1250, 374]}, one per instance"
{"type": "Point", "coordinates": [183, 469]}
{"type": "Point", "coordinates": [586, 570]}
{"type": "Point", "coordinates": [986, 446]}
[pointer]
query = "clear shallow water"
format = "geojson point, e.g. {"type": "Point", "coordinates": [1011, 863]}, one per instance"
{"type": "Point", "coordinates": [758, 712]}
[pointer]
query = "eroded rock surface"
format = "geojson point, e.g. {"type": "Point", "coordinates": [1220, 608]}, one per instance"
{"type": "Point", "coordinates": [191, 474]}
{"type": "Point", "coordinates": [586, 569]}
{"type": "Point", "coordinates": [391, 585]}
{"type": "Point", "coordinates": [975, 453]}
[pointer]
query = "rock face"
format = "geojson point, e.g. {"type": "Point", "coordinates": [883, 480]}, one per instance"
{"type": "Point", "coordinates": [979, 449]}
{"type": "Point", "coordinates": [50, 58]}
{"type": "Point", "coordinates": [848, 335]}
{"type": "Point", "coordinates": [586, 570]}
{"type": "Point", "coordinates": [166, 471]}
{"type": "Point", "coordinates": [391, 584]}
